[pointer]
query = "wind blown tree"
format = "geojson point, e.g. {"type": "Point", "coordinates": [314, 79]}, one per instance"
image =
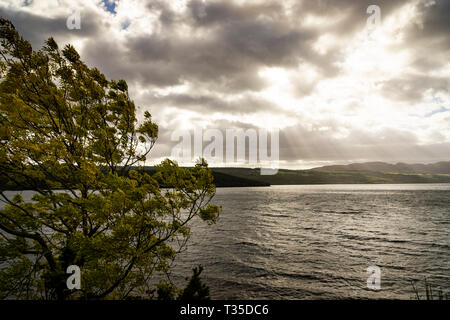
{"type": "Point", "coordinates": [72, 137]}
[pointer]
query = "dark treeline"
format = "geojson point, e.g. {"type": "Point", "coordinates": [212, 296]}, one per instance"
{"type": "Point", "coordinates": [221, 179]}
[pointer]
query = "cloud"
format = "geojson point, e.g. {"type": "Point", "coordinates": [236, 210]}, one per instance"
{"type": "Point", "coordinates": [386, 144]}
{"type": "Point", "coordinates": [411, 87]}
{"type": "Point", "coordinates": [307, 67]}
{"type": "Point", "coordinates": [427, 36]}
{"type": "Point", "coordinates": [38, 28]}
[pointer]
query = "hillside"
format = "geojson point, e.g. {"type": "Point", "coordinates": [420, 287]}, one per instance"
{"type": "Point", "coordinates": [432, 168]}
{"type": "Point", "coordinates": [316, 176]}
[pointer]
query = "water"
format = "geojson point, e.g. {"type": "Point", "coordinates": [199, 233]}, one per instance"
{"type": "Point", "coordinates": [316, 242]}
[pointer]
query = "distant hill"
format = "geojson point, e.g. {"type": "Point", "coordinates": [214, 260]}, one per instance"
{"type": "Point", "coordinates": [433, 168]}
{"type": "Point", "coordinates": [328, 176]}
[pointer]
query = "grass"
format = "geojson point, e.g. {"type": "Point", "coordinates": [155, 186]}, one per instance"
{"type": "Point", "coordinates": [429, 293]}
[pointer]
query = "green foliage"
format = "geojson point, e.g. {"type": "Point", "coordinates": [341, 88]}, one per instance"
{"type": "Point", "coordinates": [63, 125]}
{"type": "Point", "coordinates": [195, 290]}
{"type": "Point", "coordinates": [166, 291]}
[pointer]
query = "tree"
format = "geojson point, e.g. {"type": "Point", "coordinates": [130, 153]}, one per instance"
{"type": "Point", "coordinates": [195, 289]}
{"type": "Point", "coordinates": [72, 137]}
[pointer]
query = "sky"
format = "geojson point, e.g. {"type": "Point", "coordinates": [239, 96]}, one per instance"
{"type": "Point", "coordinates": [339, 89]}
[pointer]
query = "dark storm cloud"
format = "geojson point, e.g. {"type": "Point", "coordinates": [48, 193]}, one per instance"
{"type": "Point", "coordinates": [216, 12]}
{"type": "Point", "coordinates": [118, 62]}
{"type": "Point", "coordinates": [434, 22]}
{"type": "Point", "coordinates": [151, 48]}
{"type": "Point", "coordinates": [166, 16]}
{"type": "Point", "coordinates": [238, 42]}
{"type": "Point", "coordinates": [428, 36]}
{"type": "Point", "coordinates": [240, 39]}
{"type": "Point", "coordinates": [212, 104]}
{"type": "Point", "coordinates": [37, 29]}
{"type": "Point", "coordinates": [354, 12]}
{"type": "Point", "coordinates": [233, 54]}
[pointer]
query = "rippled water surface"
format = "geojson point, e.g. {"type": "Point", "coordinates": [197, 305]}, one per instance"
{"type": "Point", "coordinates": [316, 242]}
